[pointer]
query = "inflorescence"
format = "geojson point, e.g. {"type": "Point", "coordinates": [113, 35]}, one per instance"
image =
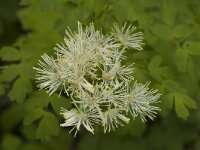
{"type": "Point", "coordinates": [89, 68]}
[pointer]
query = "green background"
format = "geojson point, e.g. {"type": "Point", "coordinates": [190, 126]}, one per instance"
{"type": "Point", "coordinates": [29, 118]}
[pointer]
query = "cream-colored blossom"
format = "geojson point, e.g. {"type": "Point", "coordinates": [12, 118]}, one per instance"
{"type": "Point", "coordinates": [90, 68]}
{"type": "Point", "coordinates": [77, 117]}
{"type": "Point", "coordinates": [112, 119]}
{"type": "Point", "coordinates": [128, 37]}
{"type": "Point", "coordinates": [141, 101]}
{"type": "Point", "coordinates": [49, 76]}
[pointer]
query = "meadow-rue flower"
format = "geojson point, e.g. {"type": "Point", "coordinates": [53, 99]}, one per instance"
{"type": "Point", "coordinates": [113, 118]}
{"type": "Point", "coordinates": [49, 76]}
{"type": "Point", "coordinates": [89, 67]}
{"type": "Point", "coordinates": [127, 36]}
{"type": "Point", "coordinates": [77, 117]}
{"type": "Point", "coordinates": [140, 101]}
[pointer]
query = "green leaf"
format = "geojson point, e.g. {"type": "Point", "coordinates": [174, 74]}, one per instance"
{"type": "Point", "coordinates": [62, 141]}
{"type": "Point", "coordinates": [168, 11]}
{"type": "Point", "coordinates": [20, 89]}
{"type": "Point", "coordinates": [9, 72]}
{"type": "Point", "coordinates": [166, 105]}
{"type": "Point", "coordinates": [162, 31]}
{"type": "Point", "coordinates": [181, 58]}
{"type": "Point", "coordinates": [157, 71]}
{"type": "Point", "coordinates": [57, 102]}
{"type": "Point", "coordinates": [29, 131]}
{"type": "Point", "coordinates": [26, 70]}
{"type": "Point", "coordinates": [37, 99]}
{"type": "Point", "coordinates": [11, 117]}
{"type": "Point", "coordinates": [193, 48]}
{"type": "Point", "coordinates": [182, 104]}
{"type": "Point", "coordinates": [153, 67]}
{"type": "Point", "coordinates": [11, 142]}
{"type": "Point", "coordinates": [9, 54]}
{"type": "Point", "coordinates": [46, 5]}
{"type": "Point", "coordinates": [33, 115]}
{"type": "Point", "coordinates": [168, 101]}
{"type": "Point", "coordinates": [182, 30]}
{"type": "Point", "coordinates": [41, 22]}
{"type": "Point", "coordinates": [48, 127]}
{"type": "Point", "coordinates": [120, 15]}
{"type": "Point", "coordinates": [192, 74]}
{"type": "Point", "coordinates": [171, 86]}
{"type": "Point", "coordinates": [141, 74]}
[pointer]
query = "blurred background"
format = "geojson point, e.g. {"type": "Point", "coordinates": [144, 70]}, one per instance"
{"type": "Point", "coordinates": [29, 118]}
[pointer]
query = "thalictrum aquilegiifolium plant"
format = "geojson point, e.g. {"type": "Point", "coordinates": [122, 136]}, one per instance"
{"type": "Point", "coordinates": [89, 68]}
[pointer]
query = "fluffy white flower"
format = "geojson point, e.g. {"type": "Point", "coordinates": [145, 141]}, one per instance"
{"type": "Point", "coordinates": [49, 76]}
{"type": "Point", "coordinates": [77, 117]}
{"type": "Point", "coordinates": [90, 100]}
{"type": "Point", "coordinates": [113, 118]}
{"type": "Point", "coordinates": [140, 101]}
{"type": "Point", "coordinates": [116, 70]}
{"type": "Point", "coordinates": [127, 36]}
{"type": "Point", "coordinates": [90, 68]}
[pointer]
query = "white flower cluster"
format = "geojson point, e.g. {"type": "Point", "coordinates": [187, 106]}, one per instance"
{"type": "Point", "coordinates": [89, 68]}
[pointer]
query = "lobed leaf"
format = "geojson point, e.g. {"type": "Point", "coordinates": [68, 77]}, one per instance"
{"type": "Point", "coordinates": [48, 127]}
{"type": "Point", "coordinates": [11, 142]}
{"type": "Point", "coordinates": [20, 89]}
{"type": "Point", "coordinates": [9, 54]}
{"type": "Point", "coordinates": [37, 99]}
{"type": "Point", "coordinates": [182, 104]}
{"type": "Point", "coordinates": [33, 115]}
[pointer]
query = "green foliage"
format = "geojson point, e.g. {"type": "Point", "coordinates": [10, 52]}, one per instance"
{"type": "Point", "coordinates": [37, 99]}
{"type": "Point", "coordinates": [12, 117]}
{"type": "Point", "coordinates": [11, 142]}
{"type": "Point", "coordinates": [33, 115]}
{"type": "Point", "coordinates": [182, 103]}
{"type": "Point", "coordinates": [30, 119]}
{"type": "Point", "coordinates": [24, 86]}
{"type": "Point", "coordinates": [48, 126]}
{"type": "Point", "coordinates": [9, 54]}
{"type": "Point", "coordinates": [8, 73]}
